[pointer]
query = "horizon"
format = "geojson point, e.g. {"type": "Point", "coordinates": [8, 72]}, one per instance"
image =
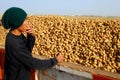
{"type": "Point", "coordinates": [105, 8]}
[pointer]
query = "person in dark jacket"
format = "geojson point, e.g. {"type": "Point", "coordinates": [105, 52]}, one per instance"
{"type": "Point", "coordinates": [18, 48]}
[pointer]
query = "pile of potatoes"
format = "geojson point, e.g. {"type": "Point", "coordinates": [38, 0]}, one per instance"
{"type": "Point", "coordinates": [3, 32]}
{"type": "Point", "coordinates": [90, 41]}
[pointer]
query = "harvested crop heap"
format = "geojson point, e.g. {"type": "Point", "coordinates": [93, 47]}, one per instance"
{"type": "Point", "coordinates": [93, 42]}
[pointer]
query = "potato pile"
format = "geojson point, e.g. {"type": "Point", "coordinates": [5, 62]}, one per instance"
{"type": "Point", "coordinates": [3, 32]}
{"type": "Point", "coordinates": [90, 41]}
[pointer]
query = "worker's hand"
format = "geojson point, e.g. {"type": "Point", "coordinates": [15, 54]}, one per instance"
{"type": "Point", "coordinates": [60, 58]}
{"type": "Point", "coordinates": [30, 31]}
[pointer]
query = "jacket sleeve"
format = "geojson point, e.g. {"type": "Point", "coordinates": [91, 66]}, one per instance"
{"type": "Point", "coordinates": [30, 42]}
{"type": "Point", "coordinates": [24, 57]}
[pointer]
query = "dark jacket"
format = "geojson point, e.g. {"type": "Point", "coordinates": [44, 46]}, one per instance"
{"type": "Point", "coordinates": [18, 58]}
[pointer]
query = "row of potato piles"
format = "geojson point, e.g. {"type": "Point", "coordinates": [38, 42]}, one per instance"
{"type": "Point", "coordinates": [90, 41]}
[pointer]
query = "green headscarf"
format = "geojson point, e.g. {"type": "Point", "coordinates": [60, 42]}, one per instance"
{"type": "Point", "coordinates": [13, 18]}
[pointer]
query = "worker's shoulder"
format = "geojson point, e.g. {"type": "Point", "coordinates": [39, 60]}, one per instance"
{"type": "Point", "coordinates": [12, 40]}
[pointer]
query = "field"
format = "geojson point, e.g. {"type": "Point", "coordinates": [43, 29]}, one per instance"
{"type": "Point", "coordinates": [90, 41]}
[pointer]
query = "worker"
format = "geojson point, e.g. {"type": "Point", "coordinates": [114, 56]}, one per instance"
{"type": "Point", "coordinates": [18, 48]}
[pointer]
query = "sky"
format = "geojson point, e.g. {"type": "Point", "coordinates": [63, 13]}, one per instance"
{"type": "Point", "coordinates": [65, 7]}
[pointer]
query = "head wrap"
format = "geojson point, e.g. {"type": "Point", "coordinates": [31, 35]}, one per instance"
{"type": "Point", "coordinates": [13, 18]}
